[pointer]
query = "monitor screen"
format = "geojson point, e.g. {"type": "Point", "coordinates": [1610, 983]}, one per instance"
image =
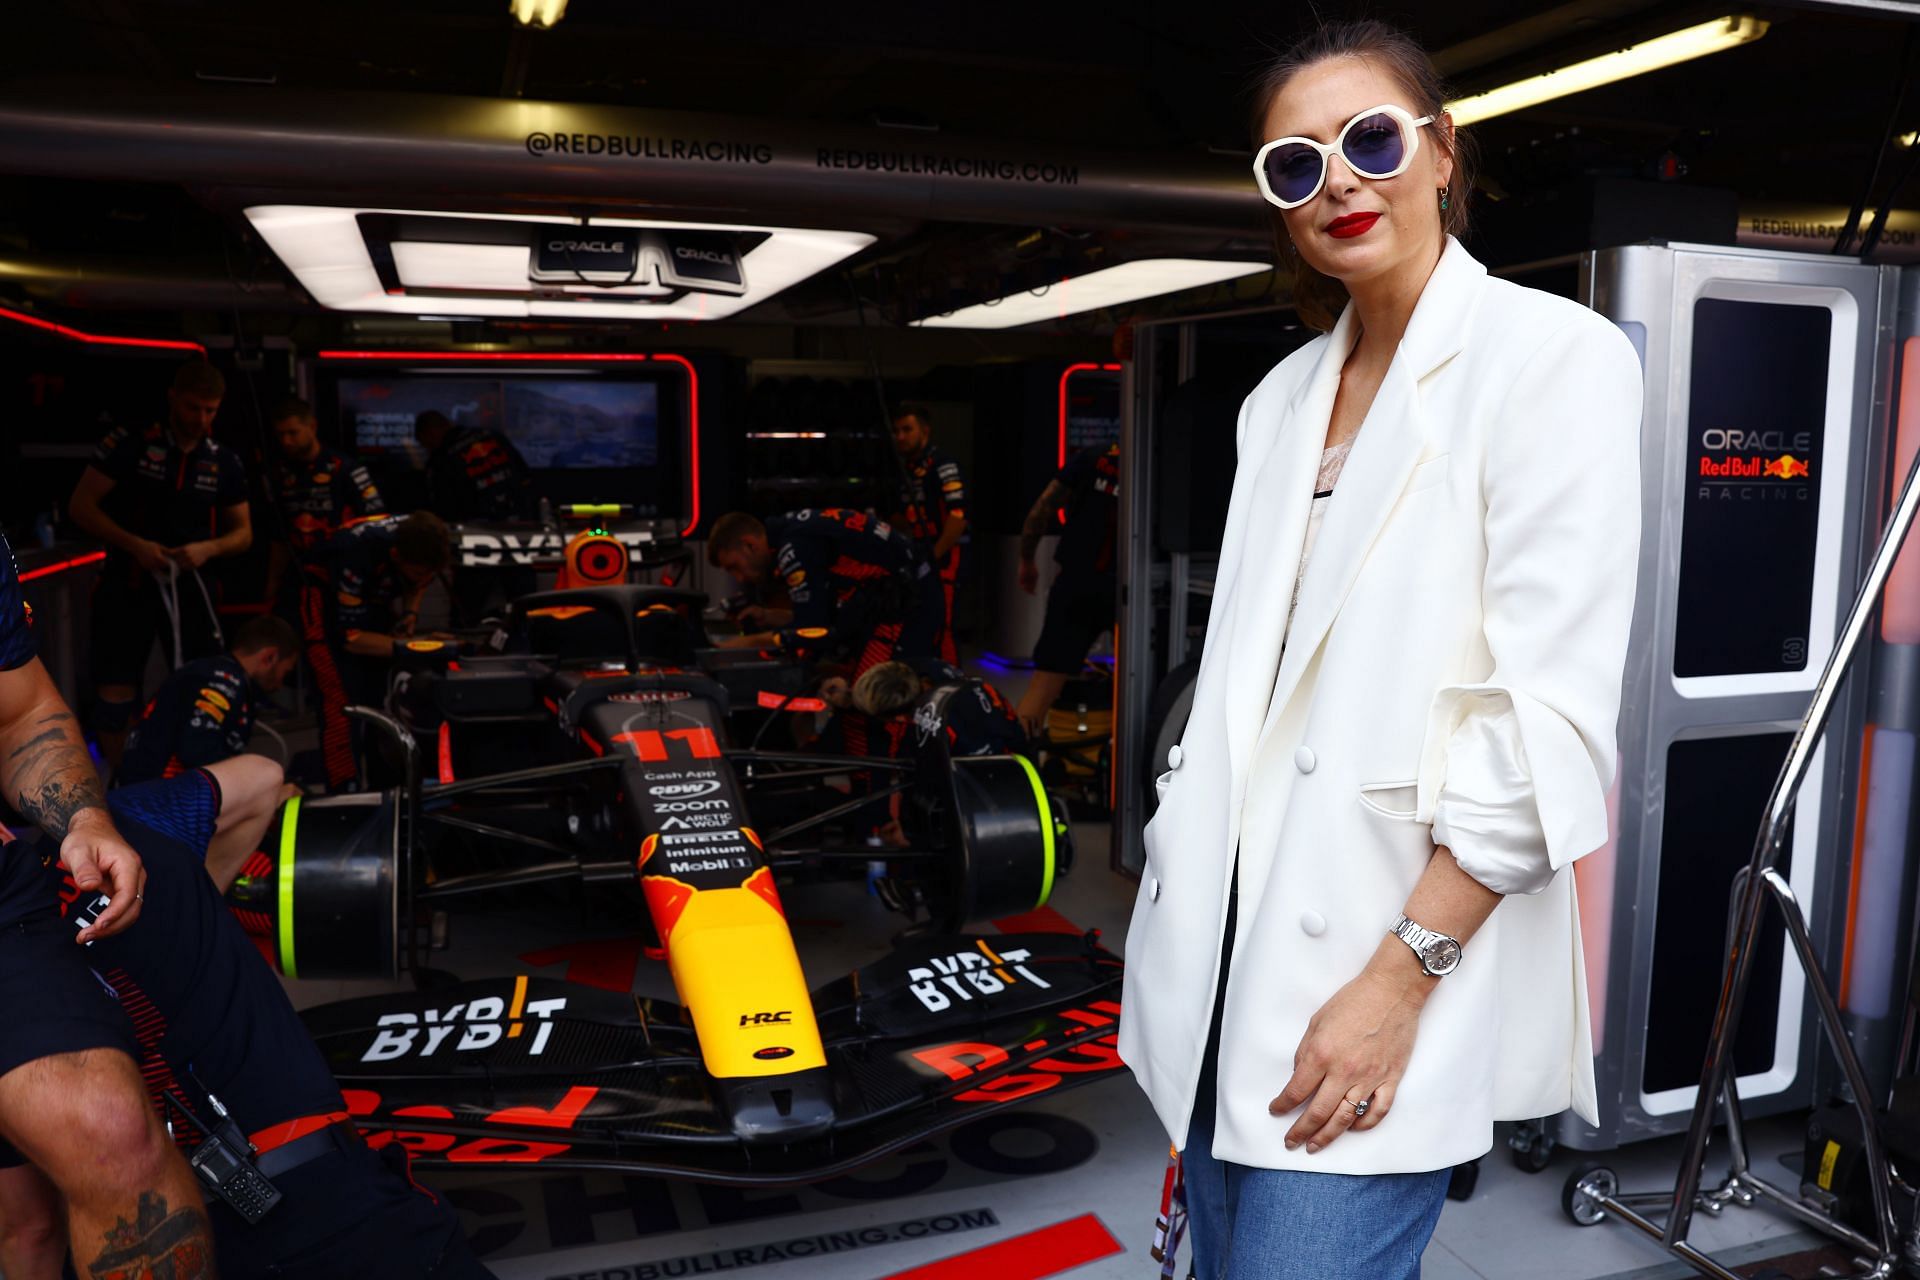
{"type": "Point", "coordinates": [556, 423]}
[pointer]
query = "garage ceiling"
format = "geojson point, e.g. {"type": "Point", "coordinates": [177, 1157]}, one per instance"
{"type": "Point", "coordinates": [1796, 118]}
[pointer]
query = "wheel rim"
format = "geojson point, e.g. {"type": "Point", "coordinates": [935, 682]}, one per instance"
{"type": "Point", "coordinates": [1586, 1207]}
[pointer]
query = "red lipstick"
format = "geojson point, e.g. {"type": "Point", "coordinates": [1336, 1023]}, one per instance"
{"type": "Point", "coordinates": [1353, 224]}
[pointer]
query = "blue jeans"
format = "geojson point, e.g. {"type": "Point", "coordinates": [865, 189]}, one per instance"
{"type": "Point", "coordinates": [1282, 1224]}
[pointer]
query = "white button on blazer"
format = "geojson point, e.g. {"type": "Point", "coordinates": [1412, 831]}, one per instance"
{"type": "Point", "coordinates": [1463, 620]}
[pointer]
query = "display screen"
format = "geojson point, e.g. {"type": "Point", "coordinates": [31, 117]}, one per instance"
{"type": "Point", "coordinates": [1090, 410]}
{"type": "Point", "coordinates": [556, 423]}
{"type": "Point", "coordinates": [1716, 793]}
{"type": "Point", "coordinates": [1756, 426]}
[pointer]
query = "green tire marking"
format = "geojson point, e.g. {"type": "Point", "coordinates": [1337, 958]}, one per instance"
{"type": "Point", "coordinates": [1046, 828]}
{"type": "Point", "coordinates": [284, 874]}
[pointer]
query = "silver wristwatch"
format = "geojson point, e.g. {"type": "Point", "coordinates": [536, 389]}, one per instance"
{"type": "Point", "coordinates": [1439, 954]}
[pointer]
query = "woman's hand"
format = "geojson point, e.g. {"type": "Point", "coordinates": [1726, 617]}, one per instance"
{"type": "Point", "coordinates": [1356, 1048]}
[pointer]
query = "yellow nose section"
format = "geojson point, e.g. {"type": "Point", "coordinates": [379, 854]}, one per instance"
{"type": "Point", "coordinates": [735, 967]}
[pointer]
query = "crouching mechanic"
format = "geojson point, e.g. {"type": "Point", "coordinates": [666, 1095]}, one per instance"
{"type": "Point", "coordinates": [71, 1098]}
{"type": "Point", "coordinates": [906, 704]}
{"type": "Point", "coordinates": [213, 1022]}
{"type": "Point", "coordinates": [203, 715]}
{"type": "Point", "coordinates": [861, 594]}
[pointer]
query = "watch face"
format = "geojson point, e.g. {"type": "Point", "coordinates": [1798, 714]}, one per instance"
{"type": "Point", "coordinates": [1442, 957]}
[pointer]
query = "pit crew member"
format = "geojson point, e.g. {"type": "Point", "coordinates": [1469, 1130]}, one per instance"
{"type": "Point", "coordinates": [379, 567]}
{"type": "Point", "coordinates": [165, 500]}
{"type": "Point", "coordinates": [932, 510]}
{"type": "Point", "coordinates": [1080, 601]}
{"type": "Point", "coordinates": [71, 1097]}
{"type": "Point", "coordinates": [213, 1021]}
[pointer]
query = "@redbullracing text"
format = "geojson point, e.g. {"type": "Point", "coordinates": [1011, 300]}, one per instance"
{"type": "Point", "coordinates": [818, 1246]}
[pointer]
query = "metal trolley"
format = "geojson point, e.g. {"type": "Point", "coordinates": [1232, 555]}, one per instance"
{"type": "Point", "coordinates": [1593, 1194]}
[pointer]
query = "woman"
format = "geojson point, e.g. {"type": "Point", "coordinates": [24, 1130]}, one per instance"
{"type": "Point", "coordinates": [1405, 711]}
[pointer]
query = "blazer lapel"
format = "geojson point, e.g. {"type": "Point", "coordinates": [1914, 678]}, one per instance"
{"type": "Point", "coordinates": [1281, 494]}
{"type": "Point", "coordinates": [1390, 442]}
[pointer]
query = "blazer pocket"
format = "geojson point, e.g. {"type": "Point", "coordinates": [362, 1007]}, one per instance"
{"type": "Point", "coordinates": [1427, 474]}
{"type": "Point", "coordinates": [1396, 800]}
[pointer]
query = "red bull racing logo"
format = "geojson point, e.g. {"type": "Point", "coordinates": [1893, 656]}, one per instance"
{"type": "Point", "coordinates": [1784, 467]}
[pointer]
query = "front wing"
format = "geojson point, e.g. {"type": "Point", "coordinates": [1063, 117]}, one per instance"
{"type": "Point", "coordinates": [542, 1072]}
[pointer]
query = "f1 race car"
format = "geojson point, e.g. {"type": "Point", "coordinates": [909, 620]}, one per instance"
{"type": "Point", "coordinates": [600, 739]}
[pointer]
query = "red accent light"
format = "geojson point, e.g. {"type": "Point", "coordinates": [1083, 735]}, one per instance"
{"type": "Point", "coordinates": [48, 570]}
{"type": "Point", "coordinates": [446, 751]}
{"type": "Point", "coordinates": [583, 357]}
{"type": "Point", "coordinates": [100, 339]}
{"type": "Point", "coordinates": [1070, 371]}
{"type": "Point", "coordinates": [1046, 1252]}
{"type": "Point", "coordinates": [771, 701]}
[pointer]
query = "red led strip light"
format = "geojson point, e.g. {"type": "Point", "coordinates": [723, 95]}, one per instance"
{"type": "Point", "coordinates": [48, 570]}
{"type": "Point", "coordinates": [101, 339]}
{"type": "Point", "coordinates": [565, 357]}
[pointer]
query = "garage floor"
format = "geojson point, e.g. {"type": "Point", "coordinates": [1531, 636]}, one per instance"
{"type": "Point", "coordinates": [1068, 1187]}
{"type": "Point", "coordinates": [1036, 1173]}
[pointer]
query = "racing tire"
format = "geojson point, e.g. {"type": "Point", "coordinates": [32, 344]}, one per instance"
{"type": "Point", "coordinates": [1009, 841]}
{"type": "Point", "coordinates": [324, 892]}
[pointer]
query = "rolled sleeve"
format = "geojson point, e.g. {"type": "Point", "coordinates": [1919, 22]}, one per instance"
{"type": "Point", "coordinates": [1516, 768]}
{"type": "Point", "coordinates": [1486, 813]}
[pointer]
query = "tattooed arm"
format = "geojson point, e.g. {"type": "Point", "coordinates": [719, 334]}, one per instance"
{"type": "Point", "coordinates": [47, 775]}
{"type": "Point", "coordinates": [1034, 528]}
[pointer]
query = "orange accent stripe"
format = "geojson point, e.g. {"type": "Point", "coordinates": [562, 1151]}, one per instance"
{"type": "Point", "coordinates": [1853, 875]}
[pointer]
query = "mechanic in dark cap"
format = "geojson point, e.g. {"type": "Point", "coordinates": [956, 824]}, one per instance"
{"type": "Point", "coordinates": [166, 500]}
{"type": "Point", "coordinates": [212, 1021]}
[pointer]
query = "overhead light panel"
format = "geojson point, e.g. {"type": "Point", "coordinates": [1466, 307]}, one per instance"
{"type": "Point", "coordinates": [327, 252]}
{"type": "Point", "coordinates": [539, 14]}
{"type": "Point", "coordinates": [1108, 287]}
{"type": "Point", "coordinates": [1622, 64]}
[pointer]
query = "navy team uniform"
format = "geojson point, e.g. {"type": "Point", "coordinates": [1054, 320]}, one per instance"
{"type": "Point", "coordinates": [172, 496]}
{"type": "Point", "coordinates": [1080, 602]}
{"type": "Point", "coordinates": [53, 1003]}
{"type": "Point", "coordinates": [931, 489]}
{"type": "Point", "coordinates": [364, 583]}
{"type": "Point", "coordinates": [975, 718]}
{"type": "Point", "coordinates": [210, 1017]}
{"type": "Point", "coordinates": [317, 500]}
{"type": "Point", "coordinates": [202, 715]}
{"type": "Point", "coordinates": [861, 593]}
{"type": "Point", "coordinates": [477, 474]}
{"type": "Point", "coordinates": [320, 497]}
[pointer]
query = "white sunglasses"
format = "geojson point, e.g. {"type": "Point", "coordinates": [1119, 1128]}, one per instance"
{"type": "Point", "coordinates": [1291, 171]}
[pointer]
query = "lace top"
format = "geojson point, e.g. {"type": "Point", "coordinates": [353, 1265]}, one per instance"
{"type": "Point", "coordinates": [1331, 460]}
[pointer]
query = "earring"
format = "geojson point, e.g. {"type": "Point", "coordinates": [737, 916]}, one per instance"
{"type": "Point", "coordinates": [1443, 199]}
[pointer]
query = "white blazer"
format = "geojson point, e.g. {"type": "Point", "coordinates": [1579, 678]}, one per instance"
{"type": "Point", "coordinates": [1464, 613]}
